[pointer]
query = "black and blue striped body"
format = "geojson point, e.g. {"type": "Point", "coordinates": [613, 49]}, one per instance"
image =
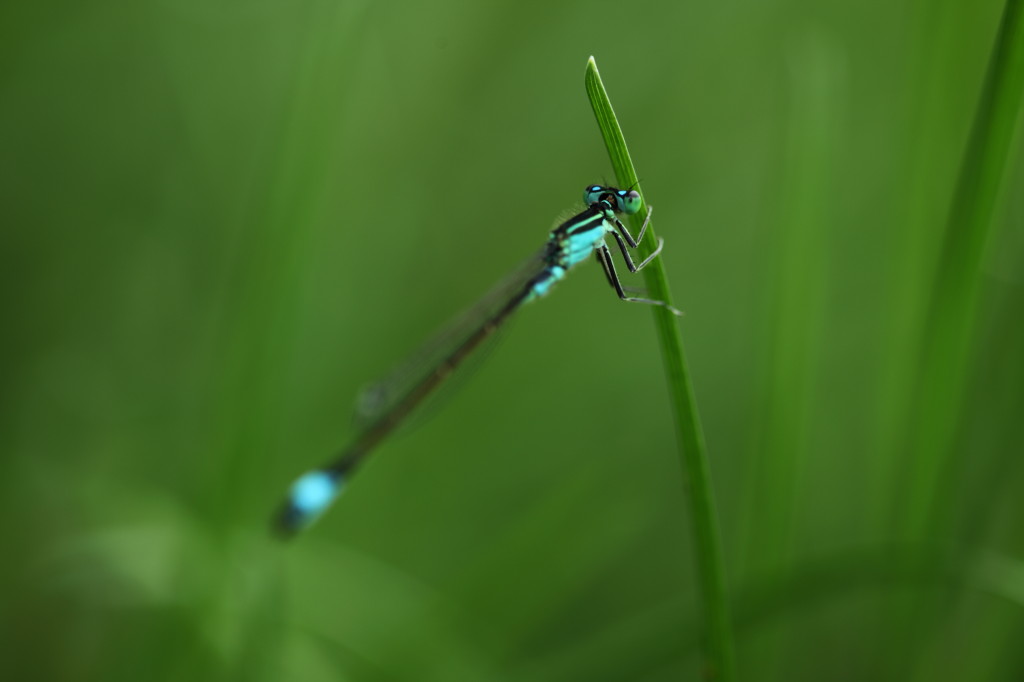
{"type": "Point", "coordinates": [571, 243]}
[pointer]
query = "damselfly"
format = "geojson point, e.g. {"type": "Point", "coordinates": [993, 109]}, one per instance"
{"type": "Point", "coordinates": [386, 404]}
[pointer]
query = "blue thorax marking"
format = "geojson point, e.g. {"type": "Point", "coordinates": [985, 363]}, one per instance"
{"type": "Point", "coordinates": [572, 243]}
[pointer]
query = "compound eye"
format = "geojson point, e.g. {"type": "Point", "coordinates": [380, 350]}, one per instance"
{"type": "Point", "coordinates": [629, 201]}
{"type": "Point", "coordinates": [592, 194]}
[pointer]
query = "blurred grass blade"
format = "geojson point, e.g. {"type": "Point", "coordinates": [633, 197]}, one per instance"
{"type": "Point", "coordinates": [947, 336]}
{"type": "Point", "coordinates": [697, 479]}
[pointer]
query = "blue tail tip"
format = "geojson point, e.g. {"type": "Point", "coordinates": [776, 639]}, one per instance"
{"type": "Point", "coordinates": [308, 498]}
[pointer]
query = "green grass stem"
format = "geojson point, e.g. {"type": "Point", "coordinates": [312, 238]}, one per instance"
{"type": "Point", "coordinates": [947, 337]}
{"type": "Point", "coordinates": [693, 454]}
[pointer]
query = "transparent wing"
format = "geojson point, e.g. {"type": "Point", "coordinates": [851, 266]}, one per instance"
{"type": "Point", "coordinates": [381, 396]}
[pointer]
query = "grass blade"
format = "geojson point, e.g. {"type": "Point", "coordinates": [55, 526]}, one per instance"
{"type": "Point", "coordinates": [696, 475]}
{"type": "Point", "coordinates": [947, 338]}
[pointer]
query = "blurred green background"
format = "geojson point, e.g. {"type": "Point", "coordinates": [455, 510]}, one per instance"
{"type": "Point", "coordinates": [221, 219]}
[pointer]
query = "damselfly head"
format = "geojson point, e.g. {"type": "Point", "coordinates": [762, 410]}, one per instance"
{"type": "Point", "coordinates": [621, 200]}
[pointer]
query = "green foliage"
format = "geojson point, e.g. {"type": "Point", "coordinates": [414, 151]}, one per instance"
{"type": "Point", "coordinates": [220, 220]}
